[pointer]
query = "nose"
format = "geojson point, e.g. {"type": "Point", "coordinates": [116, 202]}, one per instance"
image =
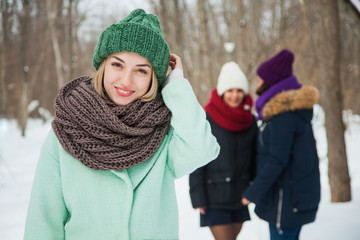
{"type": "Point", "coordinates": [126, 78]}
{"type": "Point", "coordinates": [233, 94]}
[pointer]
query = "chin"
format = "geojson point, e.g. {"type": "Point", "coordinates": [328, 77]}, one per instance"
{"type": "Point", "coordinates": [122, 102]}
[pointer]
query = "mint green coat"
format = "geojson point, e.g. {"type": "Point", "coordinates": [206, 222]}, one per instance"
{"type": "Point", "coordinates": [73, 202]}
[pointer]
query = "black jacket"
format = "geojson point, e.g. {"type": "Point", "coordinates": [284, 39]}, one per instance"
{"type": "Point", "coordinates": [220, 183]}
{"type": "Point", "coordinates": [286, 189]}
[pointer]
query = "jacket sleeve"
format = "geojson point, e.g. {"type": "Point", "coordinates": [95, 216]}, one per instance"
{"type": "Point", "coordinates": [192, 144]}
{"type": "Point", "coordinates": [47, 213]}
{"type": "Point", "coordinates": [282, 132]}
{"type": "Point", "coordinates": [197, 188]}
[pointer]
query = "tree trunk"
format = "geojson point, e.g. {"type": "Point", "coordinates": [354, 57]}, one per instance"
{"type": "Point", "coordinates": [241, 50]}
{"type": "Point", "coordinates": [55, 44]}
{"type": "Point", "coordinates": [4, 5]}
{"type": "Point", "coordinates": [178, 27]}
{"type": "Point", "coordinates": [350, 49]}
{"type": "Point", "coordinates": [326, 36]}
{"type": "Point", "coordinates": [70, 41]}
{"type": "Point", "coordinates": [24, 100]}
{"type": "Point", "coordinates": [205, 65]}
{"type": "Point", "coordinates": [254, 40]}
{"type": "Point", "coordinates": [282, 28]}
{"type": "Point", "coordinates": [165, 11]}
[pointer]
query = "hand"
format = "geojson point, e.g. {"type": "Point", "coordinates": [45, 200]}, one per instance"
{"type": "Point", "coordinates": [245, 201]}
{"type": "Point", "coordinates": [175, 62]}
{"type": "Point", "coordinates": [176, 71]}
{"type": "Point", "coordinates": [202, 210]}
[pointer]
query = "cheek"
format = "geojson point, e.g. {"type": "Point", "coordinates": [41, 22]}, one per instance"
{"type": "Point", "coordinates": [107, 75]}
{"type": "Point", "coordinates": [226, 98]}
{"type": "Point", "coordinates": [260, 82]}
{"type": "Point", "coordinates": [144, 84]}
{"type": "Point", "coordinates": [241, 96]}
{"type": "Point", "coordinates": [111, 77]}
{"type": "Point", "coordinates": [106, 81]}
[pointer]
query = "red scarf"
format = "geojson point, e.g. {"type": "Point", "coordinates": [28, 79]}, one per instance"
{"type": "Point", "coordinates": [232, 119]}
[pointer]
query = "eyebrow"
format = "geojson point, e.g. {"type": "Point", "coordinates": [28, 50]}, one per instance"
{"type": "Point", "coordinates": [119, 59]}
{"type": "Point", "coordinates": [138, 65]}
{"type": "Point", "coordinates": [143, 65]}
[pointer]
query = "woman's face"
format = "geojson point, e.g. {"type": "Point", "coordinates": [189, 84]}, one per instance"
{"type": "Point", "coordinates": [127, 77]}
{"type": "Point", "coordinates": [261, 87]}
{"type": "Point", "coordinates": [233, 97]}
{"type": "Point", "coordinates": [259, 83]}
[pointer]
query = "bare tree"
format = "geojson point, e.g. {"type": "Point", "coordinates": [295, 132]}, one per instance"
{"type": "Point", "coordinates": [29, 47]}
{"type": "Point", "coordinates": [5, 15]}
{"type": "Point", "coordinates": [70, 39]}
{"type": "Point", "coordinates": [349, 53]}
{"type": "Point", "coordinates": [205, 52]}
{"type": "Point", "coordinates": [178, 26]}
{"type": "Point", "coordinates": [23, 104]}
{"type": "Point", "coordinates": [55, 43]}
{"type": "Point", "coordinates": [325, 31]}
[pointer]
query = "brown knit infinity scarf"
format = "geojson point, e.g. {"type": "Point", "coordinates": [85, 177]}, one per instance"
{"type": "Point", "coordinates": [103, 135]}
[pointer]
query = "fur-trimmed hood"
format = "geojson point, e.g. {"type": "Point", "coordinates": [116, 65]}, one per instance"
{"type": "Point", "coordinates": [291, 100]}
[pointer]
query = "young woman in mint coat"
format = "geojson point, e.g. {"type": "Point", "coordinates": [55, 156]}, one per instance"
{"type": "Point", "coordinates": [118, 141]}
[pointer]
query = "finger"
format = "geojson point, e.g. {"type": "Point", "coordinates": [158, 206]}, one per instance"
{"type": "Point", "coordinates": [172, 65]}
{"type": "Point", "coordinates": [176, 60]}
{"type": "Point", "coordinates": [174, 56]}
{"type": "Point", "coordinates": [178, 63]}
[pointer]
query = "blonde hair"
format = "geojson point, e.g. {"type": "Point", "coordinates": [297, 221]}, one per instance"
{"type": "Point", "coordinates": [99, 86]}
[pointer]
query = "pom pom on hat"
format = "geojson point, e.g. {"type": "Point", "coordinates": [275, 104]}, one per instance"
{"type": "Point", "coordinates": [140, 33]}
{"type": "Point", "coordinates": [230, 77]}
{"type": "Point", "coordinates": [276, 68]}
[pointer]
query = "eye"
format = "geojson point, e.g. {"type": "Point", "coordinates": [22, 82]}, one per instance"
{"type": "Point", "coordinates": [143, 71]}
{"type": "Point", "coordinates": [116, 64]}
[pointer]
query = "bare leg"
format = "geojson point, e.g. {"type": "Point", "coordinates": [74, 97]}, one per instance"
{"type": "Point", "coordinates": [236, 228]}
{"type": "Point", "coordinates": [222, 232]}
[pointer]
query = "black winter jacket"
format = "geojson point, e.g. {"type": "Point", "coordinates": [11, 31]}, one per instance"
{"type": "Point", "coordinates": [286, 189]}
{"type": "Point", "coordinates": [220, 183]}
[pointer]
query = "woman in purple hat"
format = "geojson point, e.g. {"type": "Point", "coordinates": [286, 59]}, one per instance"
{"type": "Point", "coordinates": [286, 189]}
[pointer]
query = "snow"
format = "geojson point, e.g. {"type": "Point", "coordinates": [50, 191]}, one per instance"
{"type": "Point", "coordinates": [356, 4]}
{"type": "Point", "coordinates": [18, 158]}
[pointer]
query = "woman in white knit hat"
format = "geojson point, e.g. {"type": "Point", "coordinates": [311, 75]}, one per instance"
{"type": "Point", "coordinates": [216, 188]}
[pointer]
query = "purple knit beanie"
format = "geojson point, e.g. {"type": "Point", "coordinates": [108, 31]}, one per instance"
{"type": "Point", "coordinates": [276, 68]}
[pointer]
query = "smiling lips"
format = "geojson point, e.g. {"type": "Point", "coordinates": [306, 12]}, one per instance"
{"type": "Point", "coordinates": [123, 92]}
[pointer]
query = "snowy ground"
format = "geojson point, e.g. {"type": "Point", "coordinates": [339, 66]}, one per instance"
{"type": "Point", "coordinates": [18, 157]}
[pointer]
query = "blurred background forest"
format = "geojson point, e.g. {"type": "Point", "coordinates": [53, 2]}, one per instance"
{"type": "Point", "coordinates": [46, 43]}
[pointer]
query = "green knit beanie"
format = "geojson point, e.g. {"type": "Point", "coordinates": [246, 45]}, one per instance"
{"type": "Point", "coordinates": [140, 33]}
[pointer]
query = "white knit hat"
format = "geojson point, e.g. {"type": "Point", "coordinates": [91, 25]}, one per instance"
{"type": "Point", "coordinates": [231, 76]}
